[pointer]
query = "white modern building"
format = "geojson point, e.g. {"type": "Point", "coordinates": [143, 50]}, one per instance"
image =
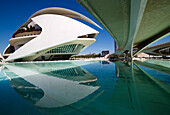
{"type": "Point", "coordinates": [50, 34]}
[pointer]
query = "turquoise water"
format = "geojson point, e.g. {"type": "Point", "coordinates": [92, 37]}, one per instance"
{"type": "Point", "coordinates": [85, 87]}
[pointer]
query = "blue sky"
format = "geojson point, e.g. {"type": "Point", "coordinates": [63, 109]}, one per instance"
{"type": "Point", "coordinates": [165, 39]}
{"type": "Point", "coordinates": [16, 12]}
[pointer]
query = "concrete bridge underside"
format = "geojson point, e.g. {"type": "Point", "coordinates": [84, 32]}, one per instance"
{"type": "Point", "coordinates": [132, 23]}
{"type": "Point", "coordinates": [155, 50]}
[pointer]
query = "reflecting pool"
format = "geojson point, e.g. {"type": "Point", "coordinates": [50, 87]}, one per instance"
{"type": "Point", "coordinates": [84, 87]}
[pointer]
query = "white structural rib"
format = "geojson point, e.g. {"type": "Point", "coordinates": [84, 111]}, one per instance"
{"type": "Point", "coordinates": [56, 30]}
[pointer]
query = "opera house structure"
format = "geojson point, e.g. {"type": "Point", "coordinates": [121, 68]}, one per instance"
{"type": "Point", "coordinates": [50, 34]}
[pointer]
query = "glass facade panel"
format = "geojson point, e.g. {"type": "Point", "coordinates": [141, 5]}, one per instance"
{"type": "Point", "coordinates": [69, 72]}
{"type": "Point", "coordinates": [65, 49]}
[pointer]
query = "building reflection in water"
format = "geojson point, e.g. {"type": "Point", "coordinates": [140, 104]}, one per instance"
{"type": "Point", "coordinates": [97, 87]}
{"type": "Point", "coordinates": [145, 85]}
{"type": "Point", "coordinates": [53, 85]}
{"type": "Point", "coordinates": [158, 74]}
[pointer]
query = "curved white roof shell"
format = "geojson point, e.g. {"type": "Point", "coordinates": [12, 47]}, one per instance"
{"type": "Point", "coordinates": [60, 11]}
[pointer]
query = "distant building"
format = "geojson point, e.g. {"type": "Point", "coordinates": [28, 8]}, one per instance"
{"type": "Point", "coordinates": [142, 55]}
{"type": "Point", "coordinates": [105, 52]}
